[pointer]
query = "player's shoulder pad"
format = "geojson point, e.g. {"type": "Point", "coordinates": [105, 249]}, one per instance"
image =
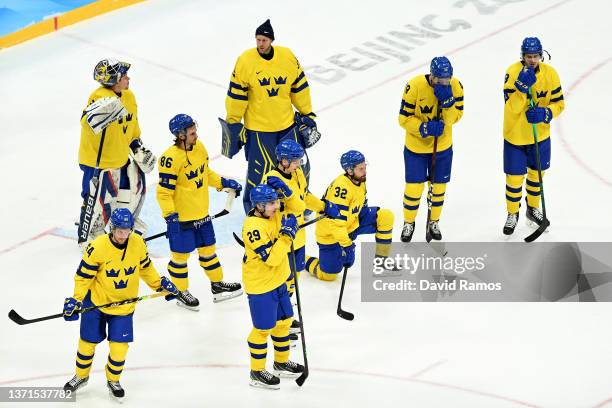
{"type": "Point", "coordinates": [456, 85]}
{"type": "Point", "coordinates": [178, 158]}
{"type": "Point", "coordinates": [100, 92]}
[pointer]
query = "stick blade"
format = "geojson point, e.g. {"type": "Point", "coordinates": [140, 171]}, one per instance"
{"type": "Point", "coordinates": [536, 234]}
{"type": "Point", "coordinates": [300, 380]}
{"type": "Point", "coordinates": [14, 316]}
{"type": "Point", "coordinates": [345, 315]}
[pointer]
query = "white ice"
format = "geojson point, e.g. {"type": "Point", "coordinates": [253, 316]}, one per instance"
{"type": "Point", "coordinates": [392, 354]}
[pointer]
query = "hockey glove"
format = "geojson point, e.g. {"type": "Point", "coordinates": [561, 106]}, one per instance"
{"type": "Point", "coordinates": [526, 78]}
{"type": "Point", "coordinates": [168, 286]}
{"type": "Point", "coordinates": [102, 112]}
{"type": "Point", "coordinates": [539, 115]}
{"type": "Point", "coordinates": [71, 305]}
{"type": "Point", "coordinates": [331, 209]}
{"type": "Point", "coordinates": [444, 93]}
{"type": "Point", "coordinates": [279, 184]}
{"type": "Point", "coordinates": [233, 184]}
{"type": "Point", "coordinates": [172, 221]}
{"type": "Point", "coordinates": [143, 156]}
{"type": "Point", "coordinates": [289, 226]}
{"type": "Point", "coordinates": [433, 128]}
{"type": "Point", "coordinates": [348, 256]}
{"type": "Point", "coordinates": [307, 128]}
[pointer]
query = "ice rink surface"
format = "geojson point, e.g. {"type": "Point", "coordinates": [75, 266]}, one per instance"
{"type": "Point", "coordinates": [392, 354]}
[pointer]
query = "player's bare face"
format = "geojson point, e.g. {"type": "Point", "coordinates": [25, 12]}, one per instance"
{"type": "Point", "coordinates": [271, 208]}
{"type": "Point", "coordinates": [290, 166]}
{"type": "Point", "coordinates": [532, 60]}
{"type": "Point", "coordinates": [191, 135]}
{"type": "Point", "coordinates": [264, 44]}
{"type": "Point", "coordinates": [359, 172]}
{"type": "Point", "coordinates": [440, 81]}
{"type": "Point", "coordinates": [124, 82]}
{"type": "Point", "coordinates": [120, 235]}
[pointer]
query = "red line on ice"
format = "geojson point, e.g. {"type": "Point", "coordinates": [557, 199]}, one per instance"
{"type": "Point", "coordinates": [326, 370]}
{"type": "Point", "coordinates": [566, 145]}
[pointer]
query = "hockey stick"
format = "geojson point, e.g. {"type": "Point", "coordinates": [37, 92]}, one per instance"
{"type": "Point", "coordinates": [432, 177]}
{"type": "Point", "coordinates": [231, 195]}
{"type": "Point", "coordinates": [14, 316]}
{"type": "Point", "coordinates": [304, 225]}
{"type": "Point", "coordinates": [343, 313]}
{"type": "Point", "coordinates": [545, 222]}
{"type": "Point", "coordinates": [300, 380]}
{"type": "Point", "coordinates": [86, 218]}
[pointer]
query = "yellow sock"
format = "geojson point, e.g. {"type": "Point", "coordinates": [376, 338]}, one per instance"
{"type": "Point", "coordinates": [533, 188]}
{"type": "Point", "coordinates": [210, 262]}
{"type": "Point", "coordinates": [280, 339]}
{"type": "Point", "coordinates": [177, 269]}
{"type": "Point", "coordinates": [258, 346]}
{"type": "Point", "coordinates": [85, 354]}
{"type": "Point", "coordinates": [384, 231]}
{"type": "Point", "coordinates": [116, 360]}
{"type": "Point", "coordinates": [514, 192]}
{"type": "Point", "coordinates": [437, 200]}
{"type": "Point", "coordinates": [412, 199]}
{"type": "Point", "coordinates": [312, 267]}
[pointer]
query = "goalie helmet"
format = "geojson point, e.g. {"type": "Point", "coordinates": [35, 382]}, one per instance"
{"type": "Point", "coordinates": [179, 123]}
{"type": "Point", "coordinates": [351, 159]}
{"type": "Point", "coordinates": [109, 71]}
{"type": "Point", "coordinates": [441, 68]}
{"type": "Point", "coordinates": [289, 149]}
{"type": "Point", "coordinates": [262, 194]}
{"type": "Point", "coordinates": [122, 218]}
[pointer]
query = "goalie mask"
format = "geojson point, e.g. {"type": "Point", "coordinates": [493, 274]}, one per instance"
{"type": "Point", "coordinates": [109, 71]}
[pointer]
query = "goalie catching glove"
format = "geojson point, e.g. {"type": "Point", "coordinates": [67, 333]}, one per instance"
{"type": "Point", "coordinates": [142, 156]}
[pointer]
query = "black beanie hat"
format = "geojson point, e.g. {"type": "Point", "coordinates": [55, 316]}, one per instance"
{"type": "Point", "coordinates": [266, 30]}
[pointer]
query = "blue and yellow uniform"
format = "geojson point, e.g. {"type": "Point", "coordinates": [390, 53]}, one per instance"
{"type": "Point", "coordinates": [301, 199]}
{"type": "Point", "coordinates": [184, 179]}
{"type": "Point", "coordinates": [419, 104]}
{"type": "Point", "coordinates": [110, 272]}
{"type": "Point", "coordinates": [519, 143]}
{"type": "Point", "coordinates": [356, 218]}
{"type": "Point", "coordinates": [265, 268]}
{"type": "Point", "coordinates": [263, 91]}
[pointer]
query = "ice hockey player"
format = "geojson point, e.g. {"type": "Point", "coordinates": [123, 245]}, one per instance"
{"type": "Point", "coordinates": [265, 85]}
{"type": "Point", "coordinates": [289, 181]}
{"type": "Point", "coordinates": [529, 78]}
{"type": "Point", "coordinates": [182, 194]}
{"type": "Point", "coordinates": [431, 105]}
{"type": "Point", "coordinates": [335, 237]}
{"type": "Point", "coordinates": [267, 239]}
{"type": "Point", "coordinates": [110, 133]}
{"type": "Point", "coordinates": [110, 271]}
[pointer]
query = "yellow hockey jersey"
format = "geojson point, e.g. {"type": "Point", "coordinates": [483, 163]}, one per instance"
{"type": "Point", "coordinates": [263, 91]}
{"type": "Point", "coordinates": [350, 198]}
{"type": "Point", "coordinates": [117, 136]}
{"type": "Point", "coordinates": [265, 265]}
{"type": "Point", "coordinates": [419, 104]}
{"type": "Point", "coordinates": [547, 93]}
{"type": "Point", "coordinates": [300, 200]}
{"type": "Point", "coordinates": [113, 274]}
{"type": "Point", "coordinates": [184, 178]}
